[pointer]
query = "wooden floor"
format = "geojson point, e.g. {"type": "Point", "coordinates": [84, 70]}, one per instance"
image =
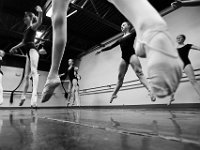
{"type": "Point", "coordinates": [99, 129]}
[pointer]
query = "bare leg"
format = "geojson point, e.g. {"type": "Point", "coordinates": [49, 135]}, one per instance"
{"type": "Point", "coordinates": [135, 64]}
{"type": "Point", "coordinates": [26, 81]}
{"type": "Point", "coordinates": [190, 73]}
{"type": "Point", "coordinates": [34, 56]}
{"type": "Point", "coordinates": [1, 90]}
{"type": "Point", "coordinates": [123, 67]}
{"type": "Point", "coordinates": [59, 23]}
{"type": "Point", "coordinates": [164, 66]}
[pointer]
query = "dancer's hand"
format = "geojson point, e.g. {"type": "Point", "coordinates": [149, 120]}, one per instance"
{"type": "Point", "coordinates": [38, 9]}
{"type": "Point", "coordinates": [177, 4]}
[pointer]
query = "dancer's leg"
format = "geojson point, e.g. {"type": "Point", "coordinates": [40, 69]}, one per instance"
{"type": "Point", "coordinates": [123, 67]}
{"type": "Point", "coordinates": [189, 71]}
{"type": "Point", "coordinates": [69, 89]}
{"type": "Point", "coordinates": [172, 98]}
{"type": "Point", "coordinates": [77, 97]}
{"type": "Point", "coordinates": [135, 64]}
{"type": "Point", "coordinates": [26, 81]}
{"type": "Point", "coordinates": [34, 58]}
{"type": "Point", "coordinates": [59, 23]}
{"type": "Point", "coordinates": [75, 92]}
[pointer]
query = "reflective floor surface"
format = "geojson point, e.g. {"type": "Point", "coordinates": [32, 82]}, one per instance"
{"type": "Point", "coordinates": [99, 129]}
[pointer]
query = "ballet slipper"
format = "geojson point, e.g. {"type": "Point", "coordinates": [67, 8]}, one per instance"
{"type": "Point", "coordinates": [171, 100]}
{"type": "Point", "coordinates": [112, 98]}
{"type": "Point", "coordinates": [34, 101]}
{"type": "Point", "coordinates": [68, 103]}
{"type": "Point", "coordinates": [49, 88]}
{"type": "Point", "coordinates": [164, 66]}
{"type": "Point", "coordinates": [152, 96]}
{"type": "Point", "coordinates": [34, 106]}
{"type": "Point", "coordinates": [23, 98]}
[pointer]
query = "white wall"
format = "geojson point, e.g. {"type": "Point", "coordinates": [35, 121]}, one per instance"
{"type": "Point", "coordinates": [103, 69]}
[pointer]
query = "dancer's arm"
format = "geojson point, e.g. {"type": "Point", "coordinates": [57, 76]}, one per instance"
{"type": "Point", "coordinates": [190, 3]}
{"type": "Point", "coordinates": [108, 48]}
{"type": "Point", "coordinates": [39, 20]}
{"type": "Point", "coordinates": [14, 49]}
{"type": "Point", "coordinates": [194, 47]}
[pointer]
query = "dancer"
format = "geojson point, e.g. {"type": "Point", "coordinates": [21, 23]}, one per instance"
{"type": "Point", "coordinates": [128, 57]}
{"type": "Point", "coordinates": [183, 50]}
{"type": "Point", "coordinates": [2, 54]}
{"type": "Point", "coordinates": [153, 38]}
{"type": "Point", "coordinates": [32, 55]}
{"type": "Point", "coordinates": [73, 76]}
{"type": "Point", "coordinates": [73, 88]}
{"type": "Point", "coordinates": [164, 66]}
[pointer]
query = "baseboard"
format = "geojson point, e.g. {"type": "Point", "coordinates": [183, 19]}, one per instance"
{"type": "Point", "coordinates": [150, 106]}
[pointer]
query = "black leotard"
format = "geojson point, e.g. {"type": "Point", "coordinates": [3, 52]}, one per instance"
{"type": "Point", "coordinates": [28, 40]}
{"type": "Point", "coordinates": [72, 74]}
{"type": "Point", "coordinates": [126, 45]}
{"type": "Point", "coordinates": [184, 53]}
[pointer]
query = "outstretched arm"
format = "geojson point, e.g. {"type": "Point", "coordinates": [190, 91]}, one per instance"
{"type": "Point", "coordinates": [194, 47]}
{"type": "Point", "coordinates": [40, 17]}
{"type": "Point", "coordinates": [108, 48]}
{"type": "Point", "coordinates": [188, 3]}
{"type": "Point", "coordinates": [13, 49]}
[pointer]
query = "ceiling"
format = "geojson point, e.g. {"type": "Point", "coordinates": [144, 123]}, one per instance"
{"type": "Point", "coordinates": [94, 22]}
